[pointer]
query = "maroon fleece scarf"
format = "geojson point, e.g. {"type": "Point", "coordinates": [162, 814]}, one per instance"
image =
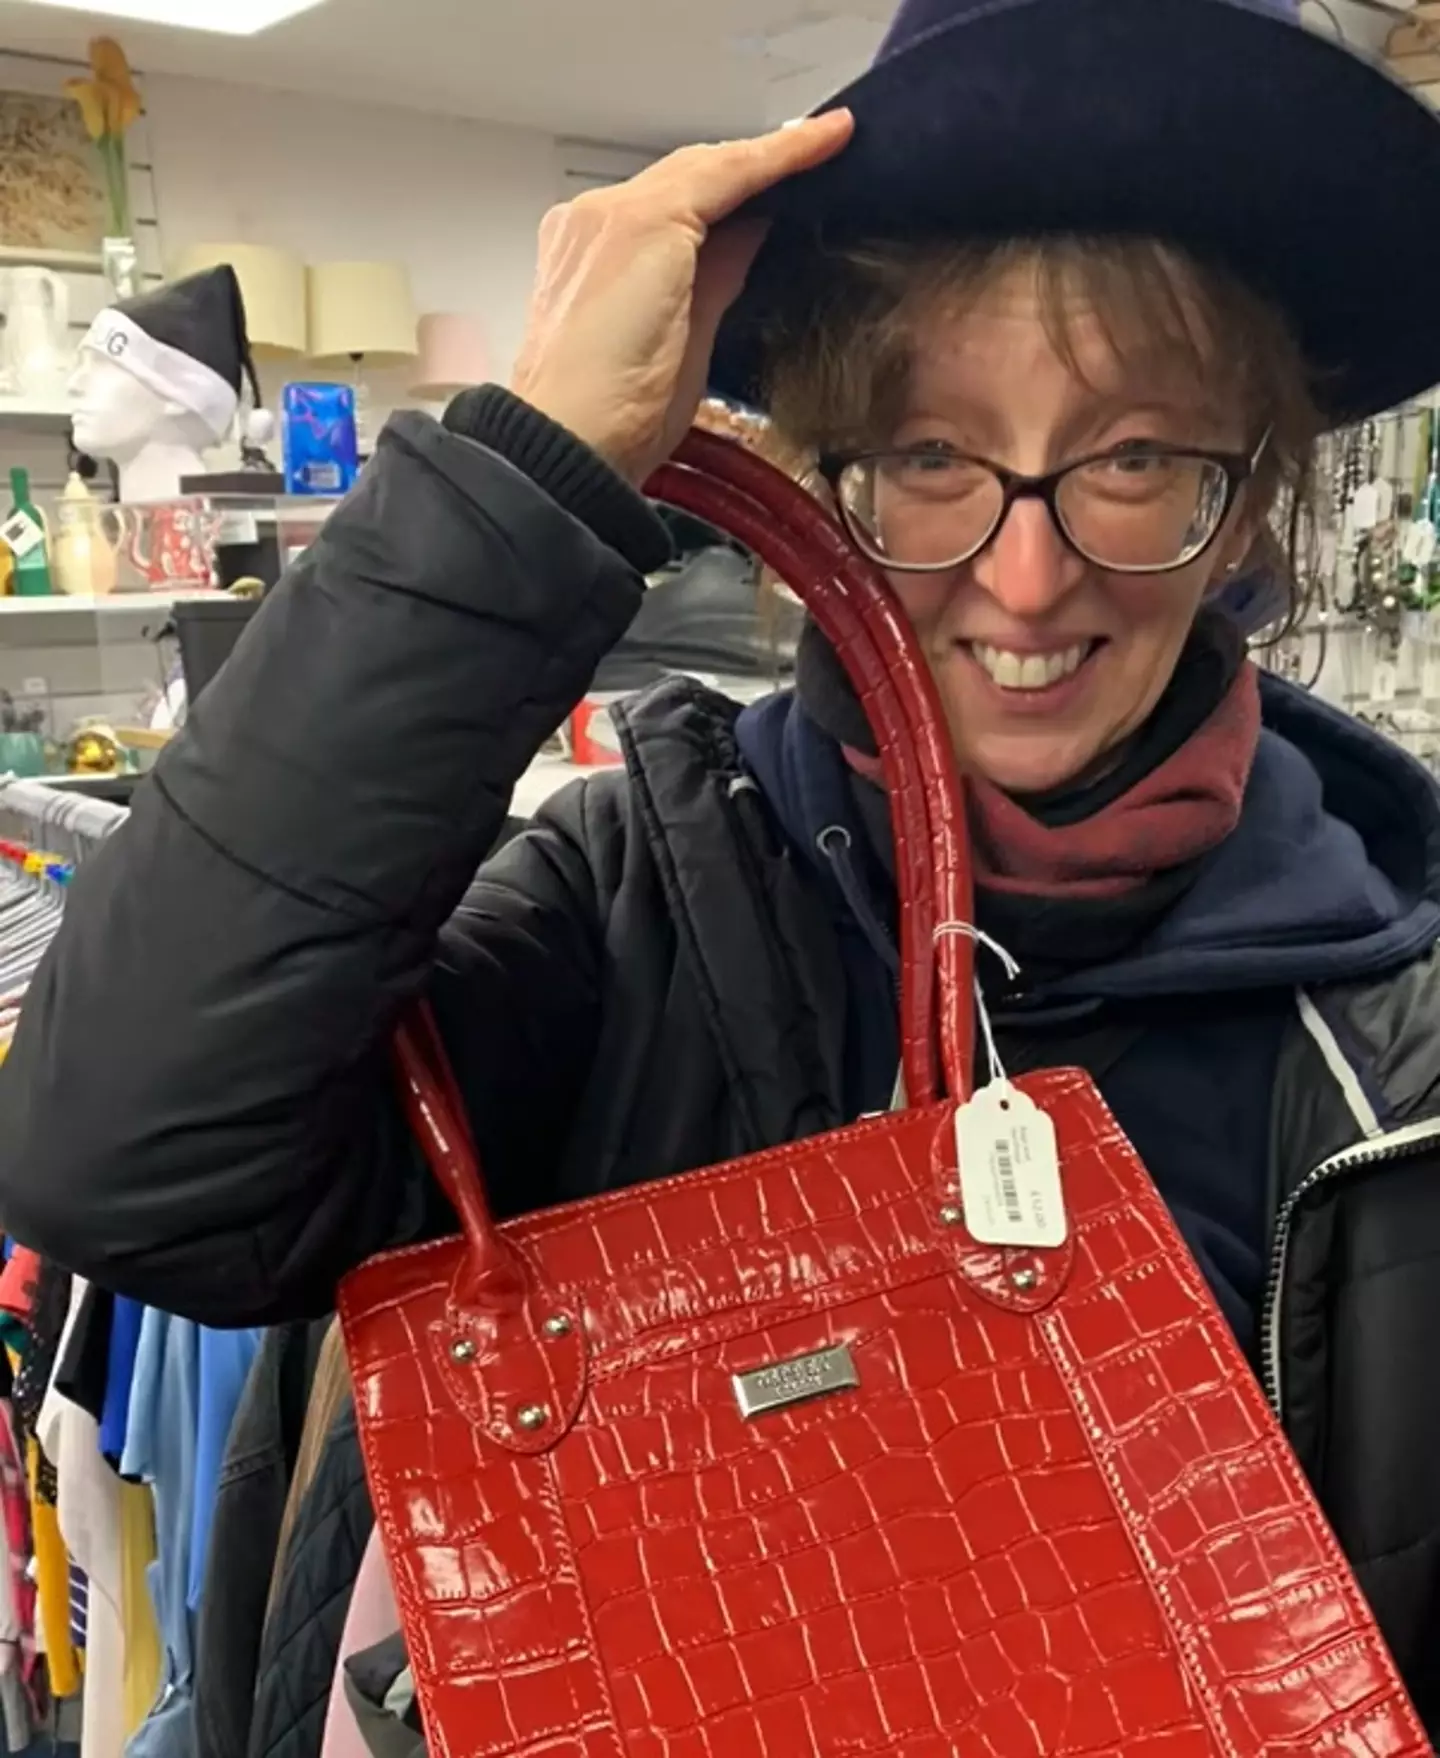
{"type": "Point", "coordinates": [1181, 810]}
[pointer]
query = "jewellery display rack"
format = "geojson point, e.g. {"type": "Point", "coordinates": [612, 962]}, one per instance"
{"type": "Point", "coordinates": [1366, 631]}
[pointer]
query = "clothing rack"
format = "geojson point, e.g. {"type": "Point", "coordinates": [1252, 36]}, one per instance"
{"type": "Point", "coordinates": [81, 1660]}
{"type": "Point", "coordinates": [69, 825]}
{"type": "Point", "coordinates": [171, 1495]}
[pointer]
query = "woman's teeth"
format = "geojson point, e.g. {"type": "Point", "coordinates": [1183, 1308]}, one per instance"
{"type": "Point", "coordinates": [1028, 671]}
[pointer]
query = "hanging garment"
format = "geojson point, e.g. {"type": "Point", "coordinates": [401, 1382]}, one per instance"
{"type": "Point", "coordinates": [144, 1661]}
{"type": "Point", "coordinates": [302, 1633]}
{"type": "Point", "coordinates": [250, 1501]}
{"type": "Point", "coordinates": [160, 1451]}
{"type": "Point", "coordinates": [186, 1385]}
{"type": "Point", "coordinates": [37, 1363]}
{"type": "Point", "coordinates": [89, 1514]}
{"type": "Point", "coordinates": [52, 1582]}
{"type": "Point", "coordinates": [82, 1361]}
{"type": "Point", "coordinates": [380, 1694]}
{"type": "Point", "coordinates": [52, 1569]}
{"type": "Point", "coordinates": [372, 1617]}
{"type": "Point", "coordinates": [122, 1345]}
{"type": "Point", "coordinates": [15, 1712]}
{"type": "Point", "coordinates": [79, 1608]}
{"type": "Point", "coordinates": [17, 1595]}
{"type": "Point", "coordinates": [19, 1287]}
{"type": "Point", "coordinates": [225, 1360]}
{"type": "Point", "coordinates": [329, 1393]}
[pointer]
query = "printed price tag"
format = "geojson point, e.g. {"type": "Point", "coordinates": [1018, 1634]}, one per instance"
{"type": "Point", "coordinates": [1383, 681]}
{"type": "Point", "coordinates": [20, 534]}
{"type": "Point", "coordinates": [1418, 544]}
{"type": "Point", "coordinates": [238, 528]}
{"type": "Point", "coordinates": [1364, 510]}
{"type": "Point", "coordinates": [1384, 500]}
{"type": "Point", "coordinates": [1009, 1169]}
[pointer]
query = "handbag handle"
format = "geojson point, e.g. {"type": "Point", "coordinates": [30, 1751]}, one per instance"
{"type": "Point", "coordinates": [848, 597]}
{"type": "Point", "coordinates": [725, 484]}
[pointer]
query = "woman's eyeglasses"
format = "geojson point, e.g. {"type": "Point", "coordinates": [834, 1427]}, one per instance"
{"type": "Point", "coordinates": [1140, 509]}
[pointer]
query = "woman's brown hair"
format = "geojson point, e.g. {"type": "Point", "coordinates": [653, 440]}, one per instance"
{"type": "Point", "coordinates": [840, 368]}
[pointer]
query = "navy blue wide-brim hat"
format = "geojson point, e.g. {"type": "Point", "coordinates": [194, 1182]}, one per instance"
{"type": "Point", "coordinates": [1222, 126]}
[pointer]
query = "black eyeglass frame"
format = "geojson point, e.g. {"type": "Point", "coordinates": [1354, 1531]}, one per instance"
{"type": "Point", "coordinates": [1239, 468]}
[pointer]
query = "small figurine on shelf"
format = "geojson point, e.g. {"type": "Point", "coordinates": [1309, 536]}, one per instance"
{"type": "Point", "coordinates": [93, 748]}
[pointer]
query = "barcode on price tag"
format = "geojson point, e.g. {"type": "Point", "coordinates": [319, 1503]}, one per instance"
{"type": "Point", "coordinates": [1009, 1169]}
{"type": "Point", "coordinates": [1004, 1162]}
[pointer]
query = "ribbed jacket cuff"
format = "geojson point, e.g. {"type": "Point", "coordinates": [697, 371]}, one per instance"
{"type": "Point", "coordinates": [567, 469]}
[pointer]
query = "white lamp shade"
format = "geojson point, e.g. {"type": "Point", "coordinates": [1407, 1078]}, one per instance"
{"type": "Point", "coordinates": [453, 354]}
{"type": "Point", "coordinates": [361, 308]}
{"type": "Point", "coordinates": [272, 283]}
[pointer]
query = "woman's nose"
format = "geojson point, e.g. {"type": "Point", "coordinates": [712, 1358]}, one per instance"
{"type": "Point", "coordinates": [1027, 567]}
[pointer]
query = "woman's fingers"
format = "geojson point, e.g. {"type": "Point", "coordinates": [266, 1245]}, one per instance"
{"type": "Point", "coordinates": [713, 181]}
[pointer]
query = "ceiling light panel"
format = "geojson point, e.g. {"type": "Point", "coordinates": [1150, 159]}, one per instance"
{"type": "Point", "coordinates": [230, 18]}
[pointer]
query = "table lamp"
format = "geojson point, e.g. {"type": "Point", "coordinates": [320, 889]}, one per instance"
{"type": "Point", "coordinates": [453, 355]}
{"type": "Point", "coordinates": [363, 313]}
{"type": "Point", "coordinates": [272, 284]}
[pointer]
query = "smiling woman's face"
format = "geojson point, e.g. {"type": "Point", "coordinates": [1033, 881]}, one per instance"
{"type": "Point", "coordinates": [1045, 662]}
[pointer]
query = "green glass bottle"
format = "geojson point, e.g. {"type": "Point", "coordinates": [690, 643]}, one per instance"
{"type": "Point", "coordinates": [23, 534]}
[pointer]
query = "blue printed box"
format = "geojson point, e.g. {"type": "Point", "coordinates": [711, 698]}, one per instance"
{"type": "Point", "coordinates": [321, 453]}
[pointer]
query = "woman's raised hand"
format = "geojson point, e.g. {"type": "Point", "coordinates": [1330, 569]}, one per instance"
{"type": "Point", "coordinates": [633, 281]}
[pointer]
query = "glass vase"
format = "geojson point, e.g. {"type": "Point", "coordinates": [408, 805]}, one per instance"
{"type": "Point", "coordinates": [120, 263]}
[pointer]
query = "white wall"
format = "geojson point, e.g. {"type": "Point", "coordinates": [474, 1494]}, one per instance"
{"type": "Point", "coordinates": [459, 202]}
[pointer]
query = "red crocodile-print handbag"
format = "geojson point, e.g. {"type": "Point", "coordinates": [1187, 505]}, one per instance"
{"type": "Point", "coordinates": [775, 1459]}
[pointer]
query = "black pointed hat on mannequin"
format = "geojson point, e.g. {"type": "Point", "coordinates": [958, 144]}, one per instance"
{"type": "Point", "coordinates": [188, 342]}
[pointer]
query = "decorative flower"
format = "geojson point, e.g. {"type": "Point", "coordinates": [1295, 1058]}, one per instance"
{"type": "Point", "coordinates": [109, 104]}
{"type": "Point", "coordinates": [92, 106]}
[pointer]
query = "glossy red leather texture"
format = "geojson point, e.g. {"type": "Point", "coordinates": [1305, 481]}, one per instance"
{"type": "Point", "coordinates": [996, 1503]}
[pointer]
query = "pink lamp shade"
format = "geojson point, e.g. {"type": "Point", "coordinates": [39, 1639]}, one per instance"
{"type": "Point", "coordinates": [453, 354]}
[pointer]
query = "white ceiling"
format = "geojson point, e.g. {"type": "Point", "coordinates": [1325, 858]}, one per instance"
{"type": "Point", "coordinates": [647, 72]}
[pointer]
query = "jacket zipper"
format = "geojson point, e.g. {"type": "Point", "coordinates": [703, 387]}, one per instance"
{"type": "Point", "coordinates": [1398, 1144]}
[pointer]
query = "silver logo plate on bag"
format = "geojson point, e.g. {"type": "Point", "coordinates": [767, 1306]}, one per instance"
{"type": "Point", "coordinates": [795, 1382]}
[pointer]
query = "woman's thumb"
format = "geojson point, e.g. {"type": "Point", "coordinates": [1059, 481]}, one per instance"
{"type": "Point", "coordinates": [726, 258]}
{"type": "Point", "coordinates": [724, 261]}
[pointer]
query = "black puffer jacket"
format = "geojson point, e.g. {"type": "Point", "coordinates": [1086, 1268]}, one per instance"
{"type": "Point", "coordinates": [646, 981]}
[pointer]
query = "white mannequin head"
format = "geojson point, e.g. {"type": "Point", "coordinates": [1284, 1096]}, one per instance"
{"type": "Point", "coordinates": [152, 438]}
{"type": "Point", "coordinates": [116, 414]}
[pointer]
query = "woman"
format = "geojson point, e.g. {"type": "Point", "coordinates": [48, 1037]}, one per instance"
{"type": "Point", "coordinates": [1222, 895]}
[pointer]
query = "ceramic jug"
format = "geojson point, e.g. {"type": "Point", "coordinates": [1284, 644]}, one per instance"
{"type": "Point", "coordinates": [36, 351]}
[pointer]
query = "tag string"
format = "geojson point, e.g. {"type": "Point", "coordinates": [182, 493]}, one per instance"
{"type": "Point", "coordinates": [1009, 964]}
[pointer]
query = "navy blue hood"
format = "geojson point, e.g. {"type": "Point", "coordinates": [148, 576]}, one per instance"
{"type": "Point", "coordinates": [1332, 873]}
